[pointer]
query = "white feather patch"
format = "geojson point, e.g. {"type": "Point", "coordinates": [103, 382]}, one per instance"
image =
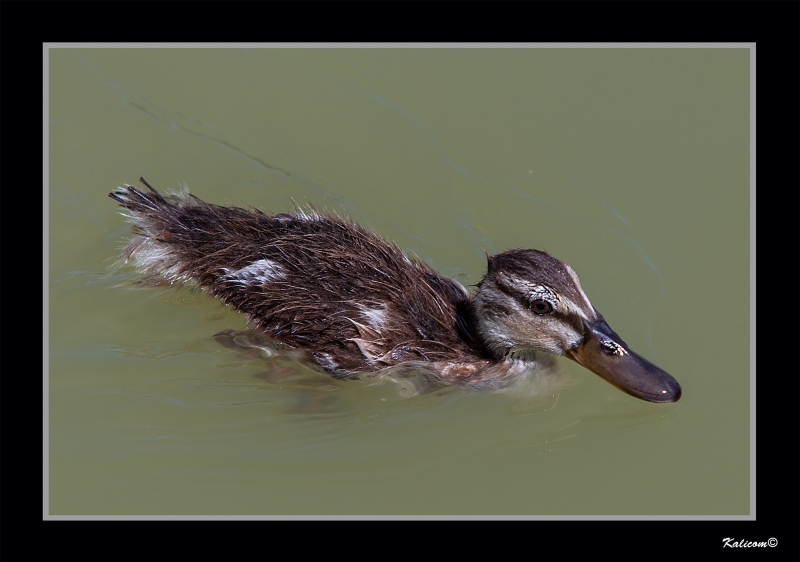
{"type": "Point", "coordinates": [257, 273]}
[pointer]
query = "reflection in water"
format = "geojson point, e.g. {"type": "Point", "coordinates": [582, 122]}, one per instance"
{"type": "Point", "coordinates": [540, 380]}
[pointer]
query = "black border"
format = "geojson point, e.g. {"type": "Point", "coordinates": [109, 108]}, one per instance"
{"type": "Point", "coordinates": [772, 25]}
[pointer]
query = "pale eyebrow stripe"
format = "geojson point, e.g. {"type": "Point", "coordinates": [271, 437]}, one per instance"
{"type": "Point", "coordinates": [580, 290]}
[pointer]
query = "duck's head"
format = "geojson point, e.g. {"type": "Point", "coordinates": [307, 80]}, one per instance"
{"type": "Point", "coordinates": [530, 302]}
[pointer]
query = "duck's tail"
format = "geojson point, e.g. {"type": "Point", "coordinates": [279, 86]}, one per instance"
{"type": "Point", "coordinates": [151, 215]}
{"type": "Point", "coordinates": [151, 204]}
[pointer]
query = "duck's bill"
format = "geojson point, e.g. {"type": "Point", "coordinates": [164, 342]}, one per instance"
{"type": "Point", "coordinates": [604, 353]}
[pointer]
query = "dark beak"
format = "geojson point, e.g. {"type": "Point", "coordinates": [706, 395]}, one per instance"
{"type": "Point", "coordinates": [604, 353]}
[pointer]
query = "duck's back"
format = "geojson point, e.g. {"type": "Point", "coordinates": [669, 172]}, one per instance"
{"type": "Point", "coordinates": [317, 283]}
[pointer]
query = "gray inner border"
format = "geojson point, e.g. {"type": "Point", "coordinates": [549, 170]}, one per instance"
{"type": "Point", "coordinates": [46, 295]}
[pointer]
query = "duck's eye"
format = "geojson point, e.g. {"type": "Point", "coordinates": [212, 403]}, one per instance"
{"type": "Point", "coordinates": [541, 306]}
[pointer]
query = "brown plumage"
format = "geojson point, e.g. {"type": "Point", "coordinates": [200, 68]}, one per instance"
{"type": "Point", "coordinates": [353, 302]}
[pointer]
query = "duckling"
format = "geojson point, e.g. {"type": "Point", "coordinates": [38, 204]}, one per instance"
{"type": "Point", "coordinates": [352, 303]}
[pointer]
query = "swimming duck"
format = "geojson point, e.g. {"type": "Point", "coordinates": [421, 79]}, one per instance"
{"type": "Point", "coordinates": [353, 303]}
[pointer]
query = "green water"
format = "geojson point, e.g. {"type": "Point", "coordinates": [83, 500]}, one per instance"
{"type": "Point", "coordinates": [632, 165]}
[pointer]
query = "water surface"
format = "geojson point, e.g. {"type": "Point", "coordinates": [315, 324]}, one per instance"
{"type": "Point", "coordinates": [632, 165]}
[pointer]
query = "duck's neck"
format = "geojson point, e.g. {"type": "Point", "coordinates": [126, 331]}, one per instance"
{"type": "Point", "coordinates": [466, 322]}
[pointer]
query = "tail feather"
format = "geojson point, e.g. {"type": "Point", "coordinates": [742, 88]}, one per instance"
{"type": "Point", "coordinates": [150, 214]}
{"type": "Point", "coordinates": [137, 202]}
